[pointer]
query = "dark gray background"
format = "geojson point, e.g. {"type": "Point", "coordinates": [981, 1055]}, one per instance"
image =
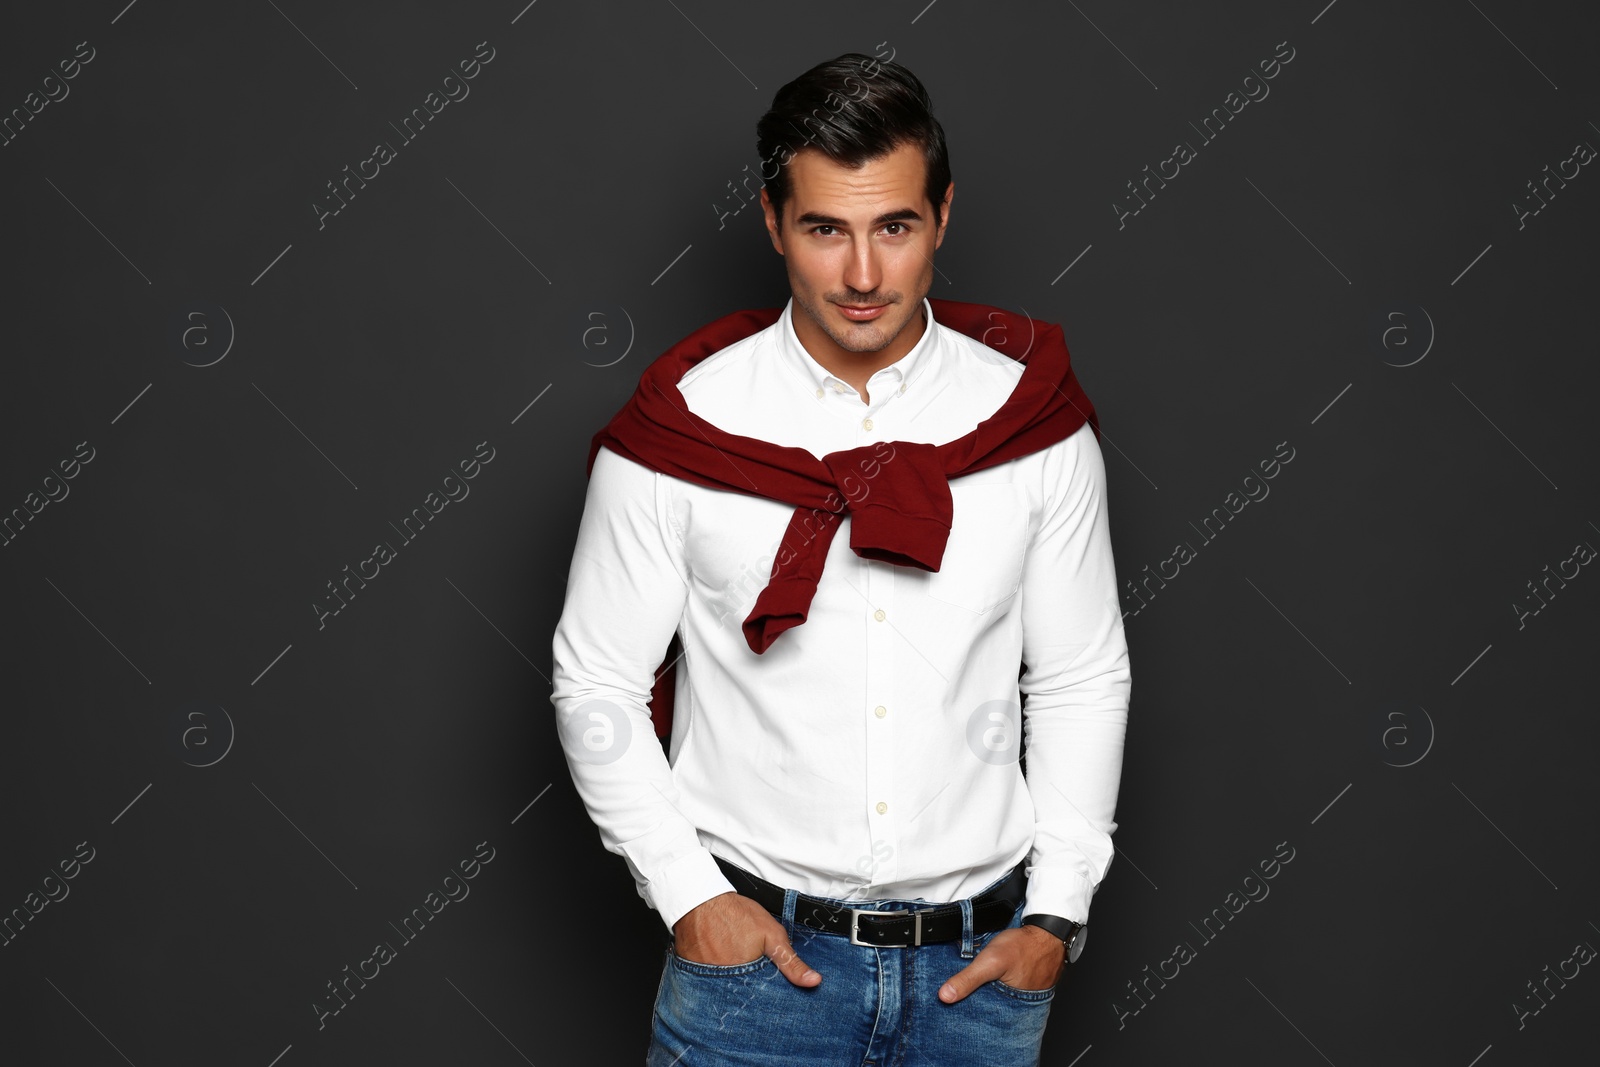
{"type": "Point", "coordinates": [1359, 618]}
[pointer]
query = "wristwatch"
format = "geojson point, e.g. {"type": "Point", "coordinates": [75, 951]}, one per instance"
{"type": "Point", "coordinates": [1072, 934]}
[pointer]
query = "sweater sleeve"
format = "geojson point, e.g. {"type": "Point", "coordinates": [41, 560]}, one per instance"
{"type": "Point", "coordinates": [626, 593]}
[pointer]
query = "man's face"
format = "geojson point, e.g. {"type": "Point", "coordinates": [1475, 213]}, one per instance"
{"type": "Point", "coordinates": [862, 238]}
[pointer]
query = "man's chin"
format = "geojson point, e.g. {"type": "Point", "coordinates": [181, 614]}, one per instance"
{"type": "Point", "coordinates": [861, 337]}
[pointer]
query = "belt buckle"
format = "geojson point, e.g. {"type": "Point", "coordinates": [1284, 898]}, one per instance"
{"type": "Point", "coordinates": [916, 935]}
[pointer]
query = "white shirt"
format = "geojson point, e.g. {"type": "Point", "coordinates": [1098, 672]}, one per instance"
{"type": "Point", "coordinates": [870, 752]}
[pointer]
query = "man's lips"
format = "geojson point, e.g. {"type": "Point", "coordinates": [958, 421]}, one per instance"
{"type": "Point", "coordinates": [861, 313]}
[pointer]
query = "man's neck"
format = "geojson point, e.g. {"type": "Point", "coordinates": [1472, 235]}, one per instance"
{"type": "Point", "coordinates": [857, 368]}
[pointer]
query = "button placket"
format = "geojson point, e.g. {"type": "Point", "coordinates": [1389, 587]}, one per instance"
{"type": "Point", "coordinates": [878, 696]}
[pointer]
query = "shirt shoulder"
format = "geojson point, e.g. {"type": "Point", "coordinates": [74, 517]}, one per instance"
{"type": "Point", "coordinates": [746, 389]}
{"type": "Point", "coordinates": [972, 356]}
{"type": "Point", "coordinates": [973, 376]}
{"type": "Point", "coordinates": [726, 369]}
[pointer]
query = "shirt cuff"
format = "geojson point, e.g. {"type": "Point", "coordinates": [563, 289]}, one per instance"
{"type": "Point", "coordinates": [1058, 892]}
{"type": "Point", "coordinates": [687, 882]}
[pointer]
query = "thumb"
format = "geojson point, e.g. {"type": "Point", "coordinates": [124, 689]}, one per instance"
{"type": "Point", "coordinates": [782, 953]}
{"type": "Point", "coordinates": [970, 977]}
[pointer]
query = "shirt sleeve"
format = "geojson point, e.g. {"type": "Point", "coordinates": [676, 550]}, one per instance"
{"type": "Point", "coordinates": [625, 596]}
{"type": "Point", "coordinates": [1075, 682]}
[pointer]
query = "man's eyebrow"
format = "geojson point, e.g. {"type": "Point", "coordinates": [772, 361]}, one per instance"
{"type": "Point", "coordinates": [816, 218]}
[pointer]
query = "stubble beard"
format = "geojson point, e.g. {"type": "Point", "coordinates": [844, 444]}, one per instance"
{"type": "Point", "coordinates": [860, 337]}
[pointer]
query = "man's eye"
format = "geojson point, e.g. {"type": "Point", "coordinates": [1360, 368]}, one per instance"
{"type": "Point", "coordinates": [900, 228]}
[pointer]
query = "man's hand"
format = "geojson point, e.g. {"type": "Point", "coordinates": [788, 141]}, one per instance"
{"type": "Point", "coordinates": [730, 929]}
{"type": "Point", "coordinates": [1024, 956]}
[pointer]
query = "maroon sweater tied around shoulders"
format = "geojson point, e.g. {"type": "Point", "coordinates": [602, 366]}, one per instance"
{"type": "Point", "coordinates": [903, 518]}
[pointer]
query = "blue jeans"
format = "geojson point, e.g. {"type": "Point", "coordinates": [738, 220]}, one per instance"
{"type": "Point", "coordinates": [875, 1007]}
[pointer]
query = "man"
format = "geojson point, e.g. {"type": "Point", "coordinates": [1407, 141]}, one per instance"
{"type": "Point", "coordinates": [854, 863]}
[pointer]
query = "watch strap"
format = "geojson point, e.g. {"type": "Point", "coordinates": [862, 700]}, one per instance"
{"type": "Point", "coordinates": [1068, 931]}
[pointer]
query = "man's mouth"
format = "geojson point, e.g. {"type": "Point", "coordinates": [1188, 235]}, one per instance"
{"type": "Point", "coordinates": [862, 312]}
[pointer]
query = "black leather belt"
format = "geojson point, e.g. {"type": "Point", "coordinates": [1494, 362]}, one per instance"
{"type": "Point", "coordinates": [991, 910]}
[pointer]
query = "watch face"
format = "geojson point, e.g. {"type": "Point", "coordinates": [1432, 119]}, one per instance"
{"type": "Point", "coordinates": [1077, 944]}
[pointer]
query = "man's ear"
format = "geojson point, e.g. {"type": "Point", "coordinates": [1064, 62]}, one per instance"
{"type": "Point", "coordinates": [772, 221]}
{"type": "Point", "coordinates": [944, 213]}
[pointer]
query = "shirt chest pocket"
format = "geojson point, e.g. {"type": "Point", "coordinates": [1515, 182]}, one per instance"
{"type": "Point", "coordinates": [982, 565]}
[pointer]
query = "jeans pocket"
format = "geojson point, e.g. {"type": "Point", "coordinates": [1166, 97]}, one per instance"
{"type": "Point", "coordinates": [716, 970]}
{"type": "Point", "coordinates": [1035, 996]}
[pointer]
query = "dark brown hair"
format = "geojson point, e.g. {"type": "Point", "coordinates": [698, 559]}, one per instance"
{"type": "Point", "coordinates": [854, 109]}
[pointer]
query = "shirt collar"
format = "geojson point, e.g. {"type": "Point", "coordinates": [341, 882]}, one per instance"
{"type": "Point", "coordinates": [899, 375]}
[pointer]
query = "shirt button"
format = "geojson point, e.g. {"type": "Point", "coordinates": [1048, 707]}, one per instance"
{"type": "Point", "coordinates": [879, 615]}
{"type": "Point", "coordinates": [902, 387]}
{"type": "Point", "coordinates": [880, 711]}
{"type": "Point", "coordinates": [866, 424]}
{"type": "Point", "coordinates": [882, 807]}
{"type": "Point", "coordinates": [819, 392]}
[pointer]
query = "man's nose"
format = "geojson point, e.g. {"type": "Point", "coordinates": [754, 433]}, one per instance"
{"type": "Point", "coordinates": [863, 274]}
